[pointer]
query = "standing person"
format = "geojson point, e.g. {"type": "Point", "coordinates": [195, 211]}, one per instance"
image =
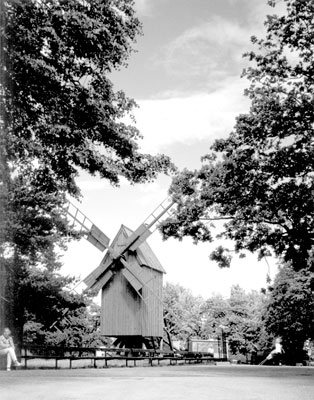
{"type": "Point", "coordinates": [7, 348]}
{"type": "Point", "coordinates": [308, 351]}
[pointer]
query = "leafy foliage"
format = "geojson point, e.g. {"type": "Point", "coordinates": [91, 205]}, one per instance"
{"type": "Point", "coordinates": [41, 295]}
{"type": "Point", "coordinates": [221, 256]}
{"type": "Point", "coordinates": [51, 313]}
{"type": "Point", "coordinates": [182, 312]}
{"type": "Point", "coordinates": [76, 328]}
{"type": "Point", "coordinates": [239, 318]}
{"type": "Point", "coordinates": [61, 108]}
{"type": "Point", "coordinates": [260, 179]}
{"type": "Point", "coordinates": [290, 312]}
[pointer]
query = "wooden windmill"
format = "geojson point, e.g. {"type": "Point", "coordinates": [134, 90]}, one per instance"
{"type": "Point", "coordinates": [130, 277]}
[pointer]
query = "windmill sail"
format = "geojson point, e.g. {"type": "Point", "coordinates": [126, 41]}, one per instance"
{"type": "Point", "coordinates": [96, 237]}
{"type": "Point", "coordinates": [103, 281]}
{"type": "Point", "coordinates": [83, 224]}
{"type": "Point", "coordinates": [140, 235]}
{"type": "Point", "coordinates": [134, 282]}
{"type": "Point", "coordinates": [144, 255]}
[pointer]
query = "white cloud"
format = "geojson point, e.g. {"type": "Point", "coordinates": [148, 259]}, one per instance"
{"type": "Point", "coordinates": [258, 9]}
{"type": "Point", "coordinates": [218, 30]}
{"type": "Point", "coordinates": [208, 52]}
{"type": "Point", "coordinates": [204, 54]}
{"type": "Point", "coordinates": [208, 60]}
{"type": "Point", "coordinates": [186, 119]}
{"type": "Point", "coordinates": [143, 7]}
{"type": "Point", "coordinates": [146, 8]}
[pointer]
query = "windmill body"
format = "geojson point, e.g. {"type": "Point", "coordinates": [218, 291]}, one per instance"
{"type": "Point", "coordinates": [131, 286]}
{"type": "Point", "coordinates": [130, 278]}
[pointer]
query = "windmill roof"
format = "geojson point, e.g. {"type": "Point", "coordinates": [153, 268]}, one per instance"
{"type": "Point", "coordinates": [144, 255]}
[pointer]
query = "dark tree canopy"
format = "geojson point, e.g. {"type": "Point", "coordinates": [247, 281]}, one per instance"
{"type": "Point", "coordinates": [260, 179]}
{"type": "Point", "coordinates": [62, 112]}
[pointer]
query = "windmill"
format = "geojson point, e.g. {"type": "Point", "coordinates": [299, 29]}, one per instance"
{"type": "Point", "coordinates": [130, 278]}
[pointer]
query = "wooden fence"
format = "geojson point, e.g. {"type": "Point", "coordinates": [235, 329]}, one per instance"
{"type": "Point", "coordinates": [129, 356]}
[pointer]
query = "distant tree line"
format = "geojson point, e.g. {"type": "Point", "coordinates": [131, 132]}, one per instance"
{"type": "Point", "coordinates": [250, 321]}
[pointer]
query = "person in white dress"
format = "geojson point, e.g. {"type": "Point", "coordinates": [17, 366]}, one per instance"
{"type": "Point", "coordinates": [7, 348]}
{"type": "Point", "coordinates": [276, 354]}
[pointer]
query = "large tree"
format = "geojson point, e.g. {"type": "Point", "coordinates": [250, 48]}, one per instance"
{"type": "Point", "coordinates": [182, 312]}
{"type": "Point", "coordinates": [60, 115]}
{"type": "Point", "coordinates": [61, 107]}
{"type": "Point", "coordinates": [290, 311]}
{"type": "Point", "coordinates": [259, 180]}
{"type": "Point", "coordinates": [239, 318]}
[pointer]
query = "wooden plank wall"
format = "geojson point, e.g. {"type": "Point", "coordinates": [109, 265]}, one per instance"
{"type": "Point", "coordinates": [120, 309]}
{"type": "Point", "coordinates": [124, 313]}
{"type": "Point", "coordinates": [152, 309]}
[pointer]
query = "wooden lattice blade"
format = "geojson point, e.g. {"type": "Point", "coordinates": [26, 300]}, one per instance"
{"type": "Point", "coordinates": [84, 225]}
{"type": "Point", "coordinates": [98, 238]}
{"type": "Point", "coordinates": [138, 237]}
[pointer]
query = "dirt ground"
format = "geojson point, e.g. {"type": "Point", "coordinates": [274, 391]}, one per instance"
{"type": "Point", "coordinates": [221, 382]}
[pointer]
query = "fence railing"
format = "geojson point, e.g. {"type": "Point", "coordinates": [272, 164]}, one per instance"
{"type": "Point", "coordinates": [108, 354]}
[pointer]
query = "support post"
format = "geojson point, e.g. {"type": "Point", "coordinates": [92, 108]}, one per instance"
{"type": "Point", "coordinates": [25, 355]}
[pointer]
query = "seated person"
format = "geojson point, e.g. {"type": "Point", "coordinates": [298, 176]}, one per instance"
{"type": "Point", "coordinates": [7, 348]}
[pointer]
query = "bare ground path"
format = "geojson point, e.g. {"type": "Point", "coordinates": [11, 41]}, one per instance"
{"type": "Point", "coordinates": [197, 382]}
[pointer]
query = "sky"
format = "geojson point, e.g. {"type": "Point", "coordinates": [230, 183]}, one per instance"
{"type": "Point", "coordinates": [186, 79]}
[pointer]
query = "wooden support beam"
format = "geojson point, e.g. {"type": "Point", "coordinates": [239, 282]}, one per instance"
{"type": "Point", "coordinates": [168, 334]}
